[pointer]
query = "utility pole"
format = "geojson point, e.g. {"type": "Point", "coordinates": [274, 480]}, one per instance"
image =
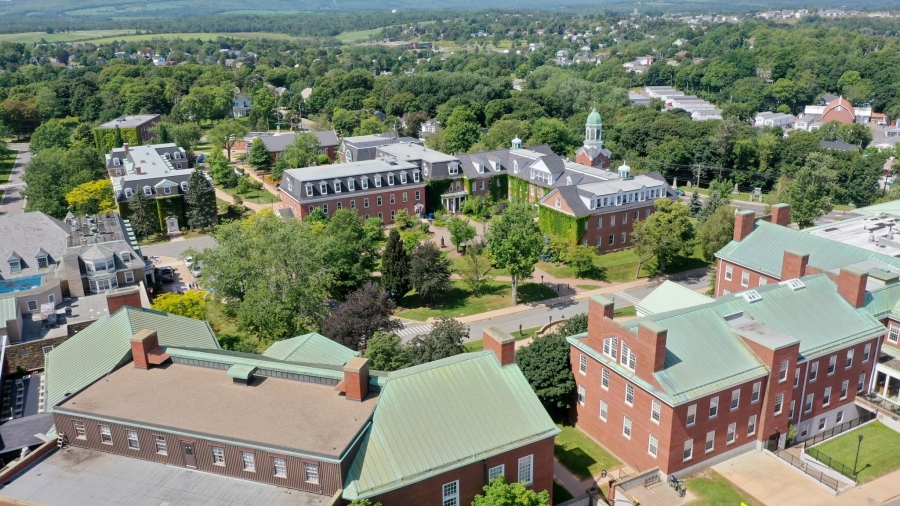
{"type": "Point", "coordinates": [698, 177]}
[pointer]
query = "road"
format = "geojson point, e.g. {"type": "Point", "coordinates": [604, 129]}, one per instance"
{"type": "Point", "coordinates": [12, 201]}
{"type": "Point", "coordinates": [176, 248]}
{"type": "Point", "coordinates": [541, 316]}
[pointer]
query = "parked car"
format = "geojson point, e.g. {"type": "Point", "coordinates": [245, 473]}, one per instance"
{"type": "Point", "coordinates": [165, 274]}
{"type": "Point", "coordinates": [201, 158]}
{"type": "Point", "coordinates": [196, 272]}
{"type": "Point", "coordinates": [188, 262]}
{"type": "Point", "coordinates": [679, 192]}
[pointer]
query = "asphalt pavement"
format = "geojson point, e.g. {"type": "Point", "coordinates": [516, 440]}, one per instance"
{"type": "Point", "coordinates": [13, 201]}
{"type": "Point", "coordinates": [176, 248]}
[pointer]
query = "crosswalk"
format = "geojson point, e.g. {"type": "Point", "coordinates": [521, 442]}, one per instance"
{"type": "Point", "coordinates": [415, 330]}
{"type": "Point", "coordinates": [628, 297]}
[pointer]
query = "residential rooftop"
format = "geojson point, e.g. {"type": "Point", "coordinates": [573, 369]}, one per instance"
{"type": "Point", "coordinates": [153, 161]}
{"type": "Point", "coordinates": [873, 233]}
{"type": "Point", "coordinates": [278, 142]}
{"type": "Point", "coordinates": [415, 151]}
{"type": "Point", "coordinates": [132, 121]}
{"type": "Point", "coordinates": [338, 170]}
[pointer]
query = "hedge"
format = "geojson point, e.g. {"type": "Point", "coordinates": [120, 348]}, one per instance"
{"type": "Point", "coordinates": [105, 138]}
{"type": "Point", "coordinates": [433, 191]}
{"type": "Point", "coordinates": [559, 224]}
{"type": "Point", "coordinates": [518, 188]}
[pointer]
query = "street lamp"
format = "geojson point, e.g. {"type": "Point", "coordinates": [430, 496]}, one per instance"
{"type": "Point", "coordinates": [551, 318]}
{"type": "Point", "coordinates": [542, 279]}
{"type": "Point", "coordinates": [855, 462]}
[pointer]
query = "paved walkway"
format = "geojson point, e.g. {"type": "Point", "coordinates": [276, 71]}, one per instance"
{"type": "Point", "coordinates": [221, 194]}
{"type": "Point", "coordinates": [11, 199]}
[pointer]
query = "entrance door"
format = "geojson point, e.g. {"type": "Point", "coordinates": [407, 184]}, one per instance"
{"type": "Point", "coordinates": [772, 443]}
{"type": "Point", "coordinates": [189, 459]}
{"type": "Point", "coordinates": [172, 225]}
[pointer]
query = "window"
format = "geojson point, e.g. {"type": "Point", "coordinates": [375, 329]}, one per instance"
{"type": "Point", "coordinates": [323, 187]}
{"type": "Point", "coordinates": [612, 239]}
{"type": "Point", "coordinates": [813, 371]}
{"type": "Point", "coordinates": [337, 187]}
{"type": "Point", "coordinates": [418, 195]}
{"type": "Point", "coordinates": [804, 431]}
{"type": "Point", "coordinates": [352, 204]}
{"type": "Point", "coordinates": [581, 394]}
{"type": "Point", "coordinates": [79, 429]}
{"type": "Point", "coordinates": [393, 214]}
{"type": "Point", "coordinates": [688, 450]}
{"type": "Point", "coordinates": [558, 202]}
{"type": "Point", "coordinates": [751, 425]}
{"type": "Point", "coordinates": [129, 277]}
{"type": "Point", "coordinates": [822, 423]}
{"type": "Point", "coordinates": [309, 189]}
{"type": "Point", "coordinates": [42, 262]}
{"type": "Point", "coordinates": [655, 411]}
{"type": "Point", "coordinates": [754, 395]}
{"type": "Point", "coordinates": [381, 216]}
{"type": "Point", "coordinates": [730, 435]}
{"type": "Point", "coordinates": [148, 191]}
{"type": "Point", "coordinates": [782, 372]}
{"type": "Point", "coordinates": [791, 413]}
{"type": "Point", "coordinates": [218, 455]}
{"type": "Point", "coordinates": [496, 472]}
{"type": "Point", "coordinates": [628, 358]}
{"type": "Point", "coordinates": [311, 209]}
{"type": "Point", "coordinates": [624, 237]}
{"type": "Point", "coordinates": [832, 363]}
{"type": "Point", "coordinates": [525, 469]}
{"type": "Point", "coordinates": [390, 179]}
{"type": "Point", "coordinates": [626, 428]}
{"type": "Point", "coordinates": [862, 381]}
{"type": "Point", "coordinates": [629, 394]}
{"type": "Point", "coordinates": [745, 278]}
{"type": "Point", "coordinates": [128, 193]}
{"type": "Point", "coordinates": [403, 177]}
{"type": "Point", "coordinates": [451, 493]}
{"type": "Point", "coordinates": [32, 305]}
{"type": "Point", "coordinates": [826, 397]}
{"type": "Point", "coordinates": [105, 435]}
{"type": "Point", "coordinates": [582, 364]}
{"type": "Point", "coordinates": [849, 359]}
{"type": "Point", "coordinates": [310, 471]}
{"type": "Point", "coordinates": [365, 182]}
{"type": "Point", "coordinates": [167, 190]}
{"type": "Point", "coordinates": [845, 386]}
{"type": "Point", "coordinates": [866, 351]}
{"type": "Point", "coordinates": [377, 181]}
{"type": "Point", "coordinates": [249, 461]}
{"type": "Point", "coordinates": [624, 218]}
{"type": "Point", "coordinates": [796, 377]}
{"type": "Point", "coordinates": [839, 417]}
{"type": "Point", "coordinates": [405, 198]}
{"type": "Point", "coordinates": [378, 200]}
{"type": "Point", "coordinates": [893, 333]}
{"type": "Point", "coordinates": [453, 168]}
{"type": "Point", "coordinates": [415, 176]}
{"type": "Point", "coordinates": [325, 208]}
{"type": "Point", "coordinates": [691, 415]}
{"type": "Point", "coordinates": [46, 349]}
{"type": "Point", "coordinates": [713, 407]}
{"type": "Point", "coordinates": [604, 410]}
{"type": "Point", "coordinates": [349, 156]}
{"type": "Point", "coordinates": [366, 202]}
{"type": "Point", "coordinates": [735, 399]}
{"type": "Point", "coordinates": [611, 346]}
{"type": "Point", "coordinates": [762, 281]}
{"type": "Point", "coordinates": [612, 220]}
{"type": "Point", "coordinates": [351, 184]}
{"type": "Point", "coordinates": [807, 407]}
{"type": "Point", "coordinates": [728, 272]}
{"type": "Point", "coordinates": [779, 403]}
{"type": "Point", "coordinates": [600, 222]}
{"type": "Point", "coordinates": [604, 380]}
{"type": "Point", "coordinates": [132, 437]}
{"type": "Point", "coordinates": [654, 445]}
{"type": "Point", "coordinates": [710, 441]}
{"type": "Point", "coordinates": [160, 444]}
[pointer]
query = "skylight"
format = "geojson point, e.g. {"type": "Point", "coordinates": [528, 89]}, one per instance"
{"type": "Point", "coordinates": [750, 296]}
{"type": "Point", "coordinates": [794, 284]}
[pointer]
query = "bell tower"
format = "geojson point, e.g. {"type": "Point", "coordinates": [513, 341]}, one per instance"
{"type": "Point", "coordinates": [593, 129]}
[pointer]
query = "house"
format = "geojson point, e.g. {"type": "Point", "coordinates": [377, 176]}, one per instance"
{"type": "Point", "coordinates": [704, 114]}
{"type": "Point", "coordinates": [773, 119]}
{"type": "Point", "coordinates": [277, 142]}
{"type": "Point", "coordinates": [593, 153]}
{"type": "Point", "coordinates": [836, 109]}
{"type": "Point", "coordinates": [241, 106]}
{"type": "Point", "coordinates": [364, 147]}
{"type": "Point", "coordinates": [679, 42]}
{"type": "Point", "coordinates": [429, 127]}
{"type": "Point", "coordinates": [305, 93]}
{"type": "Point", "coordinates": [135, 130]}
{"type": "Point", "coordinates": [164, 392]}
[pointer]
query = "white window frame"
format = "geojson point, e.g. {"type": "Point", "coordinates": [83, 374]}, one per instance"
{"type": "Point", "coordinates": [893, 333]}
{"type": "Point", "coordinates": [80, 433]}
{"type": "Point", "coordinates": [814, 371]}
{"type": "Point", "coordinates": [839, 417]}
{"type": "Point", "coordinates": [861, 384]}
{"type": "Point", "coordinates": [604, 379]}
{"type": "Point", "coordinates": [105, 435]}
{"type": "Point", "coordinates": [691, 415]}
{"type": "Point", "coordinates": [826, 397]}
{"type": "Point", "coordinates": [364, 182]}
{"type": "Point", "coordinates": [32, 305]}
{"type": "Point", "coordinates": [629, 359]}
{"type": "Point", "coordinates": [129, 277]}
{"type": "Point", "coordinates": [714, 407]}
{"type": "Point", "coordinates": [629, 394]}
{"type": "Point", "coordinates": [849, 363]}
{"type": "Point", "coordinates": [751, 425]}
{"type": "Point", "coordinates": [611, 347]}
{"type": "Point", "coordinates": [710, 444]}
{"type": "Point", "coordinates": [808, 405]}
{"type": "Point", "coordinates": [796, 377]}
{"type": "Point", "coordinates": [581, 394]}
{"type": "Point", "coordinates": [133, 442]}
{"type": "Point", "coordinates": [310, 472]}
{"type": "Point", "coordinates": [731, 433]}
{"type": "Point", "coordinates": [604, 410]}
{"type": "Point", "coordinates": [729, 272]}
{"type": "Point", "coordinates": [754, 394]}
{"type": "Point", "coordinates": [687, 452]}
{"type": "Point", "coordinates": [167, 190]}
{"type": "Point", "coordinates": [782, 371]}
{"type": "Point", "coordinates": [323, 188]}
{"type": "Point", "coordinates": [626, 427]}
{"type": "Point", "coordinates": [450, 493]}
{"type": "Point", "coordinates": [793, 405]}
{"type": "Point", "coordinates": [184, 186]}
{"type": "Point", "coordinates": [867, 351]}
{"type": "Point", "coordinates": [735, 399]}
{"type": "Point", "coordinates": [582, 364]}
{"type": "Point", "coordinates": [337, 187]}
{"type": "Point", "coordinates": [309, 189]}
{"type": "Point", "coordinates": [43, 262]}
{"type": "Point", "coordinates": [161, 444]}
{"type": "Point", "coordinates": [249, 461]}
{"type": "Point", "coordinates": [845, 389]}
{"type": "Point", "coordinates": [148, 192]}
{"type": "Point", "coordinates": [832, 364]}
{"type": "Point", "coordinates": [129, 193]}
{"type": "Point", "coordinates": [526, 468]}
{"type": "Point", "coordinates": [745, 278]}
{"type": "Point", "coordinates": [218, 455]}
{"type": "Point", "coordinates": [655, 411]}
{"type": "Point", "coordinates": [779, 403]}
{"type": "Point", "coordinates": [653, 446]}
{"type": "Point", "coordinates": [496, 472]}
{"type": "Point", "coordinates": [823, 423]}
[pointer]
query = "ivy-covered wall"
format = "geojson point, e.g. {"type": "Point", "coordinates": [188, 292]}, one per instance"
{"type": "Point", "coordinates": [560, 224]}
{"type": "Point", "coordinates": [105, 138]}
{"type": "Point", "coordinates": [500, 192]}
{"type": "Point", "coordinates": [468, 184]}
{"type": "Point", "coordinates": [174, 206]}
{"type": "Point", "coordinates": [433, 191]}
{"type": "Point", "coordinates": [518, 188]}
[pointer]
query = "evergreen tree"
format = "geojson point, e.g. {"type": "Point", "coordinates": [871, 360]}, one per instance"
{"type": "Point", "coordinates": [117, 140]}
{"type": "Point", "coordinates": [258, 156]}
{"type": "Point", "coordinates": [395, 266]}
{"type": "Point", "coordinates": [143, 214]}
{"type": "Point", "coordinates": [714, 202]}
{"type": "Point", "coordinates": [696, 205]}
{"type": "Point", "coordinates": [200, 202]}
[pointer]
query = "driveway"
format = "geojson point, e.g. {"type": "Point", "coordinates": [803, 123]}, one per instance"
{"type": "Point", "coordinates": [176, 248]}
{"type": "Point", "coordinates": [13, 201]}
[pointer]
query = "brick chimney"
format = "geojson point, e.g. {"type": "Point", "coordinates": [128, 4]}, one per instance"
{"type": "Point", "coordinates": [852, 285]}
{"type": "Point", "coordinates": [145, 349]}
{"type": "Point", "coordinates": [599, 307]}
{"type": "Point", "coordinates": [743, 224]}
{"type": "Point", "coordinates": [502, 344]}
{"type": "Point", "coordinates": [781, 214]}
{"type": "Point", "coordinates": [126, 296]}
{"type": "Point", "coordinates": [653, 337]}
{"type": "Point", "coordinates": [356, 378]}
{"type": "Point", "coordinates": [793, 265]}
{"type": "Point", "coordinates": [127, 148]}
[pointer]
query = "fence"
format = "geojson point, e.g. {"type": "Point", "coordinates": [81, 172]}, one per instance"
{"type": "Point", "coordinates": [837, 429]}
{"type": "Point", "coordinates": [819, 476]}
{"type": "Point", "coordinates": [830, 462]}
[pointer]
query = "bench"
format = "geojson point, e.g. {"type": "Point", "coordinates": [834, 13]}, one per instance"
{"type": "Point", "coordinates": [652, 480]}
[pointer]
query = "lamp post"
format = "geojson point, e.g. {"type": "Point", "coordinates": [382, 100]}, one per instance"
{"type": "Point", "coordinates": [855, 462]}
{"type": "Point", "coordinates": [542, 279]}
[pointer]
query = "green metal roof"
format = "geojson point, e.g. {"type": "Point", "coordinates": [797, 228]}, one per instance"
{"type": "Point", "coordinates": [312, 348]}
{"type": "Point", "coordinates": [594, 119]}
{"type": "Point", "coordinates": [763, 250]}
{"type": "Point", "coordinates": [892, 207]}
{"type": "Point", "coordinates": [105, 344]}
{"type": "Point", "coordinates": [243, 372]}
{"type": "Point", "coordinates": [669, 296]}
{"type": "Point", "coordinates": [443, 415]}
{"type": "Point", "coordinates": [7, 310]}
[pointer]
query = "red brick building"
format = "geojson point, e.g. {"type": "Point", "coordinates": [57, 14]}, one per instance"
{"type": "Point", "coordinates": [277, 142]}
{"type": "Point", "coordinates": [593, 153]}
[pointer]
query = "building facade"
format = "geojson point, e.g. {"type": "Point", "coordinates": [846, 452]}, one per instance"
{"type": "Point", "coordinates": [136, 130]}
{"type": "Point", "coordinates": [277, 142]}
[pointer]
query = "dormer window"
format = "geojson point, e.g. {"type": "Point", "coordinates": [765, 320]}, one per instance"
{"type": "Point", "coordinates": [348, 156]}
{"type": "Point", "coordinates": [415, 176]}
{"type": "Point", "coordinates": [184, 186]}
{"type": "Point", "coordinates": [323, 187]}
{"type": "Point", "coordinates": [290, 184]}
{"type": "Point", "coordinates": [126, 256]}
{"type": "Point", "coordinates": [365, 182]}
{"type": "Point", "coordinates": [117, 162]}
{"type": "Point", "coordinates": [337, 187]}
{"type": "Point", "coordinates": [309, 189]}
{"type": "Point", "coordinates": [390, 178]}
{"type": "Point", "coordinates": [178, 155]}
{"type": "Point", "coordinates": [168, 156]}
{"type": "Point", "coordinates": [516, 166]}
{"type": "Point", "coordinates": [403, 178]}
{"type": "Point", "coordinates": [148, 191]}
{"type": "Point", "coordinates": [128, 193]}
{"type": "Point", "coordinates": [15, 265]}
{"type": "Point", "coordinates": [497, 166]}
{"type": "Point", "coordinates": [351, 184]}
{"type": "Point", "coordinates": [454, 169]}
{"type": "Point", "coordinates": [568, 181]}
{"type": "Point", "coordinates": [42, 262]}
{"type": "Point", "coordinates": [377, 181]}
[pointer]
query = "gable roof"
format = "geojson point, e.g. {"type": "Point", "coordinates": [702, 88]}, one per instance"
{"type": "Point", "coordinates": [443, 415]}
{"type": "Point", "coordinates": [312, 348]}
{"type": "Point", "coordinates": [670, 296]}
{"type": "Point", "coordinates": [105, 344]}
{"type": "Point", "coordinates": [27, 233]}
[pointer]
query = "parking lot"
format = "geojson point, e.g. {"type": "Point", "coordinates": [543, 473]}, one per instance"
{"type": "Point", "coordinates": [183, 278]}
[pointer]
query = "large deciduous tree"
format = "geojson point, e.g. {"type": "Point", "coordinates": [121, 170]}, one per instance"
{"type": "Point", "coordinates": [500, 493]}
{"type": "Point", "coordinates": [462, 130]}
{"type": "Point", "coordinates": [476, 270]}
{"type": "Point", "coordinates": [666, 234]}
{"type": "Point", "coordinates": [445, 340]}
{"type": "Point", "coordinates": [429, 272]}
{"type": "Point", "coordinates": [191, 304]}
{"type": "Point", "coordinates": [225, 134]}
{"type": "Point", "coordinates": [514, 243]}
{"type": "Point", "coordinates": [200, 202]}
{"type": "Point", "coordinates": [92, 197]}
{"type": "Point", "coordinates": [258, 155]}
{"type": "Point", "coordinates": [54, 172]}
{"type": "Point", "coordinates": [545, 364]}
{"type": "Point", "coordinates": [395, 266]}
{"type": "Point", "coordinates": [460, 231]}
{"type": "Point", "coordinates": [716, 232]}
{"type": "Point", "coordinates": [349, 250]}
{"type": "Point", "coordinates": [50, 134]}
{"type": "Point", "coordinates": [21, 118]}
{"type": "Point", "coordinates": [222, 173]}
{"type": "Point", "coordinates": [386, 352]}
{"type": "Point", "coordinates": [365, 312]}
{"type": "Point", "coordinates": [809, 189]}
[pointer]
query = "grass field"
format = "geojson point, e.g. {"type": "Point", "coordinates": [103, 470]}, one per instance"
{"type": "Point", "coordinates": [580, 454]}
{"type": "Point", "coordinates": [7, 161]}
{"type": "Point", "coordinates": [460, 301]}
{"type": "Point", "coordinates": [256, 196]}
{"type": "Point", "coordinates": [77, 35]}
{"type": "Point", "coordinates": [621, 266]}
{"type": "Point", "coordinates": [458, 263]}
{"type": "Point", "coordinates": [196, 35]}
{"type": "Point", "coordinates": [712, 489]}
{"type": "Point", "coordinates": [478, 345]}
{"type": "Point", "coordinates": [358, 36]}
{"type": "Point", "coordinates": [877, 453]}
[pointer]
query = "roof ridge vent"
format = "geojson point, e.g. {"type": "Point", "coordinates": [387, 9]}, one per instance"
{"type": "Point", "coordinates": [794, 284]}
{"type": "Point", "coordinates": [750, 296]}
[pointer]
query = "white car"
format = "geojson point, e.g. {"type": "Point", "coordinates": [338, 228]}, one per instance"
{"type": "Point", "coordinates": [188, 262]}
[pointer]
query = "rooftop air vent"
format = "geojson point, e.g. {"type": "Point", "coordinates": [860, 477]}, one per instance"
{"type": "Point", "coordinates": [750, 296]}
{"type": "Point", "coordinates": [794, 284]}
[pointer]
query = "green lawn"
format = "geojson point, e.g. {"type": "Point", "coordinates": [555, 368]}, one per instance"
{"type": "Point", "coordinates": [625, 311]}
{"type": "Point", "coordinates": [588, 287]}
{"type": "Point", "coordinates": [478, 345]}
{"type": "Point", "coordinates": [457, 264]}
{"type": "Point", "coordinates": [712, 489]}
{"type": "Point", "coordinates": [580, 454]}
{"type": "Point", "coordinates": [878, 453]}
{"type": "Point", "coordinates": [460, 301]}
{"type": "Point", "coordinates": [32, 37]}
{"type": "Point", "coordinates": [6, 165]}
{"type": "Point", "coordinates": [194, 35]}
{"type": "Point", "coordinates": [255, 196]}
{"type": "Point", "coordinates": [560, 494]}
{"type": "Point", "coordinates": [358, 35]}
{"type": "Point", "coordinates": [620, 266]}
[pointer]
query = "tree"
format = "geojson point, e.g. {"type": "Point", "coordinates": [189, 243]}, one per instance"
{"type": "Point", "coordinates": [54, 172]}
{"type": "Point", "coordinates": [545, 364]}
{"type": "Point", "coordinates": [200, 202]}
{"type": "Point", "coordinates": [92, 197]}
{"type": "Point", "coordinates": [191, 304]}
{"type": "Point", "coordinates": [665, 234]}
{"type": "Point", "coordinates": [258, 155]}
{"type": "Point", "coordinates": [302, 152]}
{"type": "Point", "coordinates": [21, 118]}
{"type": "Point", "coordinates": [386, 352]}
{"type": "Point", "coordinates": [263, 107]}
{"type": "Point", "coordinates": [554, 133]}
{"type": "Point", "coordinates": [429, 272]}
{"type": "Point", "coordinates": [445, 340]}
{"type": "Point", "coordinates": [514, 243]}
{"type": "Point", "coordinates": [460, 231]}
{"type": "Point", "coordinates": [370, 126]}
{"type": "Point", "coordinates": [462, 130]}
{"type": "Point", "coordinates": [143, 216]}
{"type": "Point", "coordinates": [185, 135]}
{"type": "Point", "coordinates": [696, 204]}
{"type": "Point", "coordinates": [349, 251]}
{"type": "Point", "coordinates": [500, 493]}
{"type": "Point", "coordinates": [50, 134]}
{"type": "Point", "coordinates": [226, 134]}
{"type": "Point", "coordinates": [222, 173]}
{"type": "Point", "coordinates": [581, 257]}
{"type": "Point", "coordinates": [365, 312]}
{"type": "Point", "coordinates": [716, 232]}
{"type": "Point", "coordinates": [476, 270]}
{"type": "Point", "coordinates": [395, 266]}
{"type": "Point", "coordinates": [809, 190]}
